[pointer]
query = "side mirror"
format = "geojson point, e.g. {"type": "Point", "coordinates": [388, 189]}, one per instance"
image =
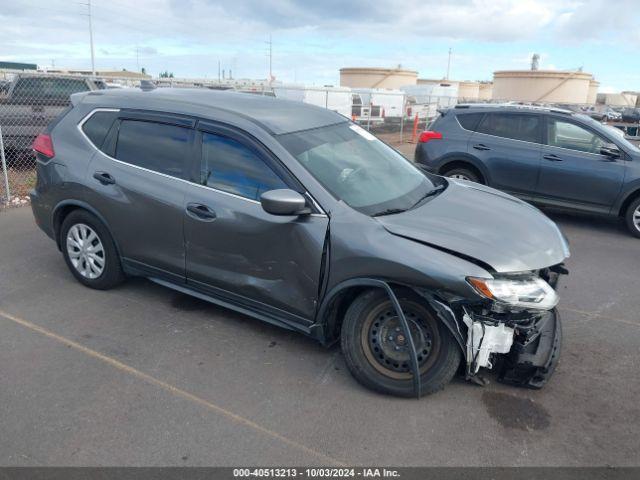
{"type": "Point", "coordinates": [610, 151]}
{"type": "Point", "coordinates": [284, 202]}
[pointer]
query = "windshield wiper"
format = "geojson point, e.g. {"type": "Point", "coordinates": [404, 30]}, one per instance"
{"type": "Point", "coordinates": [389, 211]}
{"type": "Point", "coordinates": [437, 189]}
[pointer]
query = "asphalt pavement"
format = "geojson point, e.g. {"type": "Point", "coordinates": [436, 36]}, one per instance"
{"type": "Point", "coordinates": [142, 375]}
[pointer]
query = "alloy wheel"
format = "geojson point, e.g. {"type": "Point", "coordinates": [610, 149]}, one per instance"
{"type": "Point", "coordinates": [636, 218]}
{"type": "Point", "coordinates": [459, 176]}
{"type": "Point", "coordinates": [85, 251]}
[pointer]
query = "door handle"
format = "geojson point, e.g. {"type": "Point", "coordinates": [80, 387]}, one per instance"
{"type": "Point", "coordinates": [480, 146]}
{"type": "Point", "coordinates": [552, 158]}
{"type": "Point", "coordinates": [200, 212]}
{"type": "Point", "coordinates": [104, 178]}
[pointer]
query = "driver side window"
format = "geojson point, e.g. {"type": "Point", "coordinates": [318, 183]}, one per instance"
{"type": "Point", "coordinates": [232, 167]}
{"type": "Point", "coordinates": [569, 135]}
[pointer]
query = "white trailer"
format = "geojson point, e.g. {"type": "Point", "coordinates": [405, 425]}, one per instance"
{"type": "Point", "coordinates": [377, 105]}
{"type": "Point", "coordinates": [425, 100]}
{"type": "Point", "coordinates": [337, 99]}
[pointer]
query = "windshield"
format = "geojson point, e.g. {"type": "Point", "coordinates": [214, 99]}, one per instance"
{"type": "Point", "coordinates": [359, 169]}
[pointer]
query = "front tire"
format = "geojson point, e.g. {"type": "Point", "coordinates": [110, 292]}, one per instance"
{"type": "Point", "coordinates": [632, 217]}
{"type": "Point", "coordinates": [463, 174]}
{"type": "Point", "coordinates": [89, 251]}
{"type": "Point", "coordinates": [376, 351]}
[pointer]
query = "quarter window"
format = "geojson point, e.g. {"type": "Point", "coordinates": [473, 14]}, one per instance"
{"type": "Point", "coordinates": [469, 121]}
{"type": "Point", "coordinates": [98, 125]}
{"type": "Point", "coordinates": [232, 167]}
{"type": "Point", "coordinates": [155, 146]}
{"type": "Point", "coordinates": [513, 126]}
{"type": "Point", "coordinates": [571, 136]}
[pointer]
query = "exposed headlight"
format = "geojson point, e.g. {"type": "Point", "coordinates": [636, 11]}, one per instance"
{"type": "Point", "coordinates": [524, 292]}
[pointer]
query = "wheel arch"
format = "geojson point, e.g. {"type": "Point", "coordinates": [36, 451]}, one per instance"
{"type": "Point", "coordinates": [335, 303]}
{"type": "Point", "coordinates": [631, 197]}
{"type": "Point", "coordinates": [465, 162]}
{"type": "Point", "coordinates": [62, 211]}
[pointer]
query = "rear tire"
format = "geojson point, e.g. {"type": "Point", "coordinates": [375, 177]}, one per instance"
{"type": "Point", "coordinates": [461, 173]}
{"type": "Point", "coordinates": [632, 217]}
{"type": "Point", "coordinates": [369, 324]}
{"type": "Point", "coordinates": [89, 251]}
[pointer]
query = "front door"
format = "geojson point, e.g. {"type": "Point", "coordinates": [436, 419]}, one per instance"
{"type": "Point", "coordinates": [574, 171]}
{"type": "Point", "coordinates": [237, 251]}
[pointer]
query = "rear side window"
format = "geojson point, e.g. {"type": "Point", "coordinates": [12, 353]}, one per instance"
{"type": "Point", "coordinates": [469, 121]}
{"type": "Point", "coordinates": [154, 146]}
{"type": "Point", "coordinates": [514, 126]}
{"type": "Point", "coordinates": [97, 127]}
{"type": "Point", "coordinates": [232, 167]}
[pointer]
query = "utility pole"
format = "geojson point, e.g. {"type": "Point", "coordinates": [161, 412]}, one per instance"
{"type": "Point", "coordinates": [88, 14]}
{"type": "Point", "coordinates": [93, 64]}
{"type": "Point", "coordinates": [270, 42]}
{"type": "Point", "coordinates": [137, 59]}
{"type": "Point", "coordinates": [218, 71]}
{"type": "Point", "coordinates": [449, 64]}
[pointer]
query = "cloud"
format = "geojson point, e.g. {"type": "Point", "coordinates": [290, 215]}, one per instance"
{"type": "Point", "coordinates": [312, 39]}
{"type": "Point", "coordinates": [598, 20]}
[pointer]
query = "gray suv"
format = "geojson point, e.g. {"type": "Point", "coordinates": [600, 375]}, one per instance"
{"type": "Point", "coordinates": [296, 216]}
{"type": "Point", "coordinates": [548, 156]}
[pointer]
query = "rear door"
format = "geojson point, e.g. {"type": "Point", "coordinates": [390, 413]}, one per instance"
{"type": "Point", "coordinates": [138, 182]}
{"type": "Point", "coordinates": [509, 145]}
{"type": "Point", "coordinates": [573, 169]}
{"type": "Point", "coordinates": [236, 250]}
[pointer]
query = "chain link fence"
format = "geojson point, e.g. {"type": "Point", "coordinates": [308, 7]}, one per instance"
{"type": "Point", "coordinates": [28, 103]}
{"type": "Point", "coordinates": [31, 101]}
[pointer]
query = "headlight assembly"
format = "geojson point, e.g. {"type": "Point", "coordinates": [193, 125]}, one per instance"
{"type": "Point", "coordinates": [523, 292]}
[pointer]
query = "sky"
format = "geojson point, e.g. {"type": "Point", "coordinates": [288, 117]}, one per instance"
{"type": "Point", "coordinates": [313, 39]}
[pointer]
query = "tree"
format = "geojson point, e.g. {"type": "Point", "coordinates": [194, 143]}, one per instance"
{"type": "Point", "coordinates": [166, 74]}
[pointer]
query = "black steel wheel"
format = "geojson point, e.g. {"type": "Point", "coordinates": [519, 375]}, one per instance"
{"type": "Point", "coordinates": [377, 351]}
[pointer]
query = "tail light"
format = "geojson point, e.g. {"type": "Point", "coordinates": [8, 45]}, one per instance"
{"type": "Point", "coordinates": [428, 135]}
{"type": "Point", "coordinates": [43, 145]}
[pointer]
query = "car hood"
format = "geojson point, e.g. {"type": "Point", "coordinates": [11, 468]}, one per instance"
{"type": "Point", "coordinates": [475, 221]}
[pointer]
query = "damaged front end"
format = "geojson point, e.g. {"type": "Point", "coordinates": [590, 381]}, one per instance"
{"type": "Point", "coordinates": [515, 330]}
{"type": "Point", "coordinates": [524, 347]}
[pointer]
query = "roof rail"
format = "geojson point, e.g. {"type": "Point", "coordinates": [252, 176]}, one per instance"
{"type": "Point", "coordinates": [515, 106]}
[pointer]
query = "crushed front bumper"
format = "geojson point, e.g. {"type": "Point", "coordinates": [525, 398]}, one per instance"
{"type": "Point", "coordinates": [523, 348]}
{"type": "Point", "coordinates": [534, 355]}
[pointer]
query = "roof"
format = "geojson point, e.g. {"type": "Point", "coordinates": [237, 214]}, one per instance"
{"type": "Point", "coordinates": [275, 115]}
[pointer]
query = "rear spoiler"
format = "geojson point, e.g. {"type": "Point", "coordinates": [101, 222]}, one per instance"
{"type": "Point", "coordinates": [77, 98]}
